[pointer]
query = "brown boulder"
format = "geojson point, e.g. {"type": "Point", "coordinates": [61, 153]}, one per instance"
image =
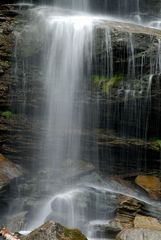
{"type": "Point", "coordinates": [150, 184]}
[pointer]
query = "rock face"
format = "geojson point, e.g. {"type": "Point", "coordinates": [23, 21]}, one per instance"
{"type": "Point", "coordinates": [128, 97]}
{"type": "Point", "coordinates": [55, 231]}
{"type": "Point", "coordinates": [8, 171]}
{"type": "Point", "coordinates": [151, 184]}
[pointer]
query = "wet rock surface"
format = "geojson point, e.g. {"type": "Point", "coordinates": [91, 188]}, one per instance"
{"type": "Point", "coordinates": [55, 231]}
{"type": "Point", "coordinates": [8, 171]}
{"type": "Point", "coordinates": [150, 184]}
{"type": "Point", "coordinates": [15, 222]}
{"type": "Point", "coordinates": [139, 234]}
{"type": "Point", "coordinates": [147, 222]}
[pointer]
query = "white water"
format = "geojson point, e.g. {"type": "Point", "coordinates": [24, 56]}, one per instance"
{"type": "Point", "coordinates": [66, 62]}
{"type": "Point", "coordinates": [73, 4]}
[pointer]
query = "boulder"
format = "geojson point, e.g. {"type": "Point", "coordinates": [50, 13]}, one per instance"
{"type": "Point", "coordinates": [150, 184]}
{"type": "Point", "coordinates": [147, 222]}
{"type": "Point", "coordinates": [139, 234]}
{"type": "Point", "coordinates": [55, 231]}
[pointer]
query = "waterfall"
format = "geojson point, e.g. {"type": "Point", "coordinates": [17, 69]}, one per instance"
{"type": "Point", "coordinates": [67, 45]}
{"type": "Point", "coordinates": [66, 63]}
{"type": "Point", "coordinates": [117, 7]}
{"type": "Point", "coordinates": [71, 4]}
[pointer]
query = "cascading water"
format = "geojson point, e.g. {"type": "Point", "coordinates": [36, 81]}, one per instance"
{"type": "Point", "coordinates": [68, 38]}
{"type": "Point", "coordinates": [116, 7]}
{"type": "Point", "coordinates": [71, 4]}
{"type": "Point", "coordinates": [67, 58]}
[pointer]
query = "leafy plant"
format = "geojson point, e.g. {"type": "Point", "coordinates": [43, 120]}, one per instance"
{"type": "Point", "coordinates": [6, 114]}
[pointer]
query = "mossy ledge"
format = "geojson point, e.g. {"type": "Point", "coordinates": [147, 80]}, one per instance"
{"type": "Point", "coordinates": [105, 84]}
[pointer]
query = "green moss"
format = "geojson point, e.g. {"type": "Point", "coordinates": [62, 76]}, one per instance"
{"type": "Point", "coordinates": [6, 114]}
{"type": "Point", "coordinates": [156, 143]}
{"type": "Point", "coordinates": [73, 234]}
{"type": "Point", "coordinates": [107, 83]}
{"type": "Point", "coordinates": [159, 142]}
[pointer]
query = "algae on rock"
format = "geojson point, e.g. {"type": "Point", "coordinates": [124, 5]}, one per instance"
{"type": "Point", "coordinates": [105, 84]}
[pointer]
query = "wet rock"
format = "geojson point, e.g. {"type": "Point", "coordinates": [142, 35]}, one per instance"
{"type": "Point", "coordinates": [8, 171]}
{"type": "Point", "coordinates": [147, 222]}
{"type": "Point", "coordinates": [105, 230]}
{"type": "Point", "coordinates": [139, 234]}
{"type": "Point", "coordinates": [150, 184]}
{"type": "Point", "coordinates": [55, 231]}
{"type": "Point", "coordinates": [127, 211]}
{"type": "Point", "coordinates": [15, 222]}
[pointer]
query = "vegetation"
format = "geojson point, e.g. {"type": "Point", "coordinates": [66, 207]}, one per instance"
{"type": "Point", "coordinates": [156, 142]}
{"type": "Point", "coordinates": [107, 83]}
{"type": "Point", "coordinates": [6, 114]}
{"type": "Point", "coordinates": [73, 234]}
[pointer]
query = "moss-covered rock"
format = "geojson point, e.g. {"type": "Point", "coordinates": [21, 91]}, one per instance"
{"type": "Point", "coordinates": [55, 231]}
{"type": "Point", "coordinates": [107, 83]}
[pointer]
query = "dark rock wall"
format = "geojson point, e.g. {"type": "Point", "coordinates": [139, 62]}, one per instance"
{"type": "Point", "coordinates": [22, 93]}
